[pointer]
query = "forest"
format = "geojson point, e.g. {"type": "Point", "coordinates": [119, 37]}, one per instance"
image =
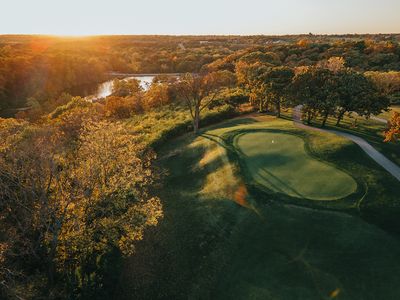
{"type": "Point", "coordinates": [38, 69]}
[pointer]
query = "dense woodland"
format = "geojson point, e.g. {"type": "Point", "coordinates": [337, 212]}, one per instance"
{"type": "Point", "coordinates": [79, 179]}
{"type": "Point", "coordinates": [37, 69]}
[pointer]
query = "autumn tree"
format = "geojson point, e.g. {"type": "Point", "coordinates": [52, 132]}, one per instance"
{"type": "Point", "coordinates": [388, 83]}
{"type": "Point", "coordinates": [123, 107]}
{"type": "Point", "coordinates": [124, 88]}
{"type": "Point", "coordinates": [249, 78]}
{"type": "Point", "coordinates": [63, 208]}
{"type": "Point", "coordinates": [157, 95]}
{"type": "Point", "coordinates": [334, 64]}
{"type": "Point", "coordinates": [199, 90]}
{"type": "Point", "coordinates": [393, 131]}
{"type": "Point", "coordinates": [276, 82]}
{"type": "Point", "coordinates": [113, 173]}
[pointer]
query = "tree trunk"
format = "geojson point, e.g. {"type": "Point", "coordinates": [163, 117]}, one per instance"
{"type": "Point", "coordinates": [51, 267]}
{"type": "Point", "coordinates": [278, 108]}
{"type": "Point", "coordinates": [260, 109]}
{"type": "Point", "coordinates": [340, 117]}
{"type": "Point", "coordinates": [196, 120]}
{"type": "Point", "coordinates": [325, 119]}
{"type": "Point", "coordinates": [309, 116]}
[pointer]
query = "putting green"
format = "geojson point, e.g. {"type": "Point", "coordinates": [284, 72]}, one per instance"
{"type": "Point", "coordinates": [279, 162]}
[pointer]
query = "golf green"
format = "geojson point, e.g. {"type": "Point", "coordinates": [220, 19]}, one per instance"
{"type": "Point", "coordinates": [279, 162]}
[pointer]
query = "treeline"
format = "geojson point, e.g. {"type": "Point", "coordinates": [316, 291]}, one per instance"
{"type": "Point", "coordinates": [327, 89]}
{"type": "Point", "coordinates": [363, 55]}
{"type": "Point", "coordinates": [40, 68]}
{"type": "Point", "coordinates": [35, 73]}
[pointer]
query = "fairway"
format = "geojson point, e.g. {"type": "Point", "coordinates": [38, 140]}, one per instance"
{"type": "Point", "coordinates": [279, 162]}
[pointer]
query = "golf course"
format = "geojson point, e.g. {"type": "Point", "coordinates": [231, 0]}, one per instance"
{"type": "Point", "coordinates": [280, 162]}
{"type": "Point", "coordinates": [271, 211]}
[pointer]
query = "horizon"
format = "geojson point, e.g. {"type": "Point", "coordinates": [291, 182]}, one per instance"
{"type": "Point", "coordinates": [198, 35]}
{"type": "Point", "coordinates": [177, 18]}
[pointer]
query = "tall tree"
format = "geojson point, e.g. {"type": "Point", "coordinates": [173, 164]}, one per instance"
{"type": "Point", "coordinates": [357, 93]}
{"type": "Point", "coordinates": [276, 82]}
{"type": "Point", "coordinates": [63, 209]}
{"type": "Point", "coordinates": [248, 77]}
{"type": "Point", "coordinates": [199, 90]}
{"type": "Point", "coordinates": [312, 87]}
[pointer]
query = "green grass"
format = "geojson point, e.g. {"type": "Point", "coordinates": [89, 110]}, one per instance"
{"type": "Point", "coordinates": [388, 114]}
{"type": "Point", "coordinates": [370, 130]}
{"type": "Point", "coordinates": [280, 162]}
{"type": "Point", "coordinates": [158, 126]}
{"type": "Point", "coordinates": [224, 237]}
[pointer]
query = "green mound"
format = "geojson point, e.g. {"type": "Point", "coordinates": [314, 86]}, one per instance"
{"type": "Point", "coordinates": [279, 162]}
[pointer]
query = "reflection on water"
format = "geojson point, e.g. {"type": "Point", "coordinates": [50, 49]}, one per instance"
{"type": "Point", "coordinates": [105, 89]}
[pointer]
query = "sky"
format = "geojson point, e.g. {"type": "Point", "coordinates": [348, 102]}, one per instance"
{"type": "Point", "coordinates": [245, 17]}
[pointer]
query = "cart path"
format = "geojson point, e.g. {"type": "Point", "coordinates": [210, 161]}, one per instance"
{"type": "Point", "coordinates": [385, 163]}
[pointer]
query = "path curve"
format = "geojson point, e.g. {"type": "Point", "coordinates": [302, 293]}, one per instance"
{"type": "Point", "coordinates": [385, 163]}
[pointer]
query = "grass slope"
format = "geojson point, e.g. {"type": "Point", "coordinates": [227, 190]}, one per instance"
{"type": "Point", "coordinates": [225, 238]}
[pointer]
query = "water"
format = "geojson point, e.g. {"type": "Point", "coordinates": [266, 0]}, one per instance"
{"type": "Point", "coordinates": [105, 89]}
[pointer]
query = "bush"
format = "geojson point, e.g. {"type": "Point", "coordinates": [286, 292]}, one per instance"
{"type": "Point", "coordinates": [122, 108]}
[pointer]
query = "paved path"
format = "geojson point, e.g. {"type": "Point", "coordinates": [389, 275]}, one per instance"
{"type": "Point", "coordinates": [388, 165]}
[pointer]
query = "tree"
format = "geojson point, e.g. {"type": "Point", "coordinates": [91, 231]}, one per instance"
{"type": "Point", "coordinates": [121, 108]}
{"type": "Point", "coordinates": [113, 173]}
{"type": "Point", "coordinates": [312, 88]}
{"type": "Point", "coordinates": [249, 78]}
{"type": "Point", "coordinates": [388, 83]}
{"type": "Point", "coordinates": [124, 88]}
{"type": "Point", "coordinates": [393, 131]}
{"type": "Point", "coordinates": [64, 208]}
{"type": "Point", "coordinates": [157, 95]}
{"type": "Point", "coordinates": [357, 93]}
{"type": "Point", "coordinates": [199, 90]}
{"type": "Point", "coordinates": [334, 64]}
{"type": "Point", "coordinates": [276, 82]}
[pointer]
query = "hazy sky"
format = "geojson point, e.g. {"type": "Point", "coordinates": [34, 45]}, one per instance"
{"type": "Point", "coordinates": [86, 17]}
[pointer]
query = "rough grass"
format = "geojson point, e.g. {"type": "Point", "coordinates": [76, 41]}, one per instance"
{"type": "Point", "coordinates": [223, 238]}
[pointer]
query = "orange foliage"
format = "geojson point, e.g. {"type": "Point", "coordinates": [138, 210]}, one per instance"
{"type": "Point", "coordinates": [303, 43]}
{"type": "Point", "coordinates": [393, 133]}
{"type": "Point", "coordinates": [119, 107]}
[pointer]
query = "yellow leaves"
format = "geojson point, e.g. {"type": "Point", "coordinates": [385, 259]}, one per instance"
{"type": "Point", "coordinates": [335, 293]}
{"type": "Point", "coordinates": [387, 82]}
{"type": "Point", "coordinates": [303, 43]}
{"type": "Point", "coordinates": [393, 132]}
{"type": "Point", "coordinates": [335, 64]}
{"type": "Point", "coordinates": [84, 200]}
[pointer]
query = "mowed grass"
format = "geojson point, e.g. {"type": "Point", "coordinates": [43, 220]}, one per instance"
{"type": "Point", "coordinates": [388, 114]}
{"type": "Point", "coordinates": [224, 238]}
{"type": "Point", "coordinates": [370, 130]}
{"type": "Point", "coordinates": [280, 162]}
